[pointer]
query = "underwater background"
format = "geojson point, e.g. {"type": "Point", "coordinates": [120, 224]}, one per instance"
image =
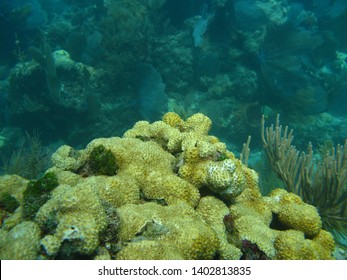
{"type": "Point", "coordinates": [75, 70]}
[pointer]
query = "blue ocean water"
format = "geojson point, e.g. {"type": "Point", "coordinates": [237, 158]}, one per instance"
{"type": "Point", "coordinates": [232, 60]}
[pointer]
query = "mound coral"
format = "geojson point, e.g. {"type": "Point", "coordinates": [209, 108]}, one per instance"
{"type": "Point", "coordinates": [165, 190]}
{"type": "Point", "coordinates": [74, 217]}
{"type": "Point", "coordinates": [282, 226]}
{"type": "Point", "coordinates": [165, 232]}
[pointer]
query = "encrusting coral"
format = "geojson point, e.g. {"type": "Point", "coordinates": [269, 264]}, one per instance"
{"type": "Point", "coordinates": [166, 190]}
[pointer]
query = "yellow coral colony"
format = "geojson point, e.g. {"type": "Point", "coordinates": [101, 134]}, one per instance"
{"type": "Point", "coordinates": [172, 192]}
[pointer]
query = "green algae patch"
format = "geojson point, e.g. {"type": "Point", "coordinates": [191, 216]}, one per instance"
{"type": "Point", "coordinates": [8, 203]}
{"type": "Point", "coordinates": [102, 161]}
{"type": "Point", "coordinates": [37, 193]}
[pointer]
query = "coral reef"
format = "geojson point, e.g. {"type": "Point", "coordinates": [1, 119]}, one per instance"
{"type": "Point", "coordinates": [89, 58]}
{"type": "Point", "coordinates": [27, 83]}
{"type": "Point", "coordinates": [80, 70]}
{"type": "Point", "coordinates": [49, 104]}
{"type": "Point", "coordinates": [166, 190]}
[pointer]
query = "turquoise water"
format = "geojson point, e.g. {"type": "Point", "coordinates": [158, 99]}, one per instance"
{"type": "Point", "coordinates": [72, 71]}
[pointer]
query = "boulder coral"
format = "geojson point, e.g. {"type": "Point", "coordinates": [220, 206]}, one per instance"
{"type": "Point", "coordinates": [165, 232]}
{"type": "Point", "coordinates": [165, 190]}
